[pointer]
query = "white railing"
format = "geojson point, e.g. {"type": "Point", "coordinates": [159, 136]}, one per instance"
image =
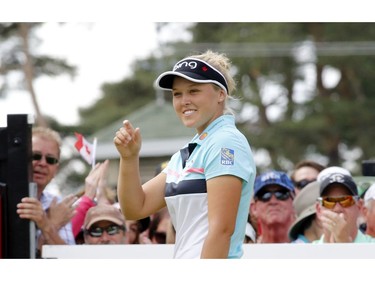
{"type": "Point", "coordinates": [251, 251]}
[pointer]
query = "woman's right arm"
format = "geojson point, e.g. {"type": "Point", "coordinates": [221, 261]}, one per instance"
{"type": "Point", "coordinates": [136, 201]}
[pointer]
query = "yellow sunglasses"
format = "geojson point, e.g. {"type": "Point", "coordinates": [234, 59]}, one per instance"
{"type": "Point", "coordinates": [344, 201]}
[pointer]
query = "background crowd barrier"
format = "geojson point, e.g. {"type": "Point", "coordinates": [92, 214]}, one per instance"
{"type": "Point", "coordinates": [251, 251]}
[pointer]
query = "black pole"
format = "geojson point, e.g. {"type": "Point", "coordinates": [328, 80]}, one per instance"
{"type": "Point", "coordinates": [17, 235]}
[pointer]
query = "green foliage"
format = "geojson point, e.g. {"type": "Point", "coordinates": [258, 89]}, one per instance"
{"type": "Point", "coordinates": [264, 56]}
{"type": "Point", "coordinates": [12, 58]}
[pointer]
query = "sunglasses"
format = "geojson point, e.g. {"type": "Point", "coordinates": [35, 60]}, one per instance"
{"type": "Point", "coordinates": [302, 183]}
{"type": "Point", "coordinates": [281, 195]}
{"type": "Point", "coordinates": [37, 156]}
{"type": "Point", "coordinates": [98, 231]}
{"type": "Point", "coordinates": [344, 201]}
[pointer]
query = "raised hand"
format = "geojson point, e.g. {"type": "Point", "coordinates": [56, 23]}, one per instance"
{"type": "Point", "coordinates": [128, 140]}
{"type": "Point", "coordinates": [61, 213]}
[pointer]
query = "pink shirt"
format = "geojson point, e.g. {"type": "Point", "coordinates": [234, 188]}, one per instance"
{"type": "Point", "coordinates": [85, 203]}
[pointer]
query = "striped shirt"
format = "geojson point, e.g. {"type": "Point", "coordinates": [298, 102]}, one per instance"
{"type": "Point", "coordinates": [220, 150]}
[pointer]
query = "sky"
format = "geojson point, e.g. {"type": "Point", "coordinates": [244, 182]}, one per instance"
{"type": "Point", "coordinates": [105, 39]}
{"type": "Point", "coordinates": [102, 52]}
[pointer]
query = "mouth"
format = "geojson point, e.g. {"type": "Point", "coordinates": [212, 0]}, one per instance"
{"type": "Point", "coordinates": [188, 112]}
{"type": "Point", "coordinates": [38, 173]}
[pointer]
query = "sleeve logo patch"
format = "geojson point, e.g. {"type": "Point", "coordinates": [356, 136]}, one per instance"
{"type": "Point", "coordinates": [227, 156]}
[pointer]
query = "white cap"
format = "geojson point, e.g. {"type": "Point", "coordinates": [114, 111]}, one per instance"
{"type": "Point", "coordinates": [250, 232]}
{"type": "Point", "coordinates": [370, 193]}
{"type": "Point", "coordinates": [332, 170]}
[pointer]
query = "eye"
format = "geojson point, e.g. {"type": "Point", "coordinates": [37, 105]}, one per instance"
{"type": "Point", "coordinates": [176, 94]}
{"type": "Point", "coordinates": [194, 90]}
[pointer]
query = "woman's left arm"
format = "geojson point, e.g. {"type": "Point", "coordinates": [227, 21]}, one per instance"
{"type": "Point", "coordinates": [224, 193]}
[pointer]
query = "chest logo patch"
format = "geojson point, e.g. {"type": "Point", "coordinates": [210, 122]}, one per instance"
{"type": "Point", "coordinates": [203, 136]}
{"type": "Point", "coordinates": [227, 156]}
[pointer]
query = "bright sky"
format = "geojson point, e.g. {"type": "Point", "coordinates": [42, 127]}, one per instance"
{"type": "Point", "coordinates": [104, 50]}
{"type": "Point", "coordinates": [101, 51]}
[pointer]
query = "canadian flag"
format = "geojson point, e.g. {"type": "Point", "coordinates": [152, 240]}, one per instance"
{"type": "Point", "coordinates": [86, 149]}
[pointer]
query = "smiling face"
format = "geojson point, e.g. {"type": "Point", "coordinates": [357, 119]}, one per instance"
{"type": "Point", "coordinates": [43, 172]}
{"type": "Point", "coordinates": [197, 105]}
{"type": "Point", "coordinates": [111, 238]}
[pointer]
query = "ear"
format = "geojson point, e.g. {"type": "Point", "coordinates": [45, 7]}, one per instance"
{"type": "Point", "coordinates": [253, 208]}
{"type": "Point", "coordinates": [222, 95]}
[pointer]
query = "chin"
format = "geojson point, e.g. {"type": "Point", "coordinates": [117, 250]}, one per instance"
{"type": "Point", "coordinates": [188, 124]}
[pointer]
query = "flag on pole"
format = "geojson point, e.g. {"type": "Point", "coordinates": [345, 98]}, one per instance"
{"type": "Point", "coordinates": [86, 149]}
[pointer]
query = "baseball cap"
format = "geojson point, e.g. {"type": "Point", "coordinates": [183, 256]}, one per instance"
{"type": "Point", "coordinates": [304, 205]}
{"type": "Point", "coordinates": [332, 170]}
{"type": "Point", "coordinates": [194, 70]}
{"type": "Point", "coordinates": [370, 193]}
{"type": "Point", "coordinates": [103, 212]}
{"type": "Point", "coordinates": [273, 178]}
{"type": "Point", "coordinates": [339, 178]}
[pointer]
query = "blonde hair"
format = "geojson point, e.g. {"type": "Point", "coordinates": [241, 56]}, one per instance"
{"type": "Point", "coordinates": [223, 64]}
{"type": "Point", "coordinates": [48, 134]}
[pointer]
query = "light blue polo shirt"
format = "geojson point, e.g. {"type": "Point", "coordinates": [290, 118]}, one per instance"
{"type": "Point", "coordinates": [221, 150]}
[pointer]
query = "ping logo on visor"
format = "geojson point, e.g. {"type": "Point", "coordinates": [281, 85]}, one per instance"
{"type": "Point", "coordinates": [194, 70]}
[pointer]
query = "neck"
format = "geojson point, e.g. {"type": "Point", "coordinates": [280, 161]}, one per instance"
{"type": "Point", "coordinates": [313, 232]}
{"type": "Point", "coordinates": [275, 234]}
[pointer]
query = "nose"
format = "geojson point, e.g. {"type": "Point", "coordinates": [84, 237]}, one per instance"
{"type": "Point", "coordinates": [105, 237]}
{"type": "Point", "coordinates": [185, 99]}
{"type": "Point", "coordinates": [337, 208]}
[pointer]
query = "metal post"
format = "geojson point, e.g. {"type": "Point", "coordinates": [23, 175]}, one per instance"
{"type": "Point", "coordinates": [15, 179]}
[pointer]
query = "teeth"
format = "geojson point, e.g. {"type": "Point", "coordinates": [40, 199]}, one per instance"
{"type": "Point", "coordinates": [188, 112]}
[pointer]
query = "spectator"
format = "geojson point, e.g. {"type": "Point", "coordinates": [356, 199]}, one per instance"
{"type": "Point", "coordinates": [159, 227]}
{"type": "Point", "coordinates": [273, 206]}
{"type": "Point", "coordinates": [50, 213]}
{"type": "Point", "coordinates": [369, 210]}
{"type": "Point", "coordinates": [95, 192]}
{"type": "Point", "coordinates": [307, 227]}
{"type": "Point", "coordinates": [338, 210]}
{"type": "Point", "coordinates": [252, 232]}
{"type": "Point", "coordinates": [104, 224]}
{"type": "Point", "coordinates": [207, 185]}
{"type": "Point", "coordinates": [138, 231]}
{"type": "Point", "coordinates": [304, 172]}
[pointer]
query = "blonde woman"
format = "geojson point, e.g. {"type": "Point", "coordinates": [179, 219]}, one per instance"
{"type": "Point", "coordinates": [207, 185]}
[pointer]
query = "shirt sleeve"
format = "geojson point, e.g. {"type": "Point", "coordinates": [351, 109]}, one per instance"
{"type": "Point", "coordinates": [83, 206]}
{"type": "Point", "coordinates": [229, 155]}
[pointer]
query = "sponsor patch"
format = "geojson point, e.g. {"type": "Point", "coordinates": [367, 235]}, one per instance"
{"type": "Point", "coordinates": [203, 136]}
{"type": "Point", "coordinates": [227, 156]}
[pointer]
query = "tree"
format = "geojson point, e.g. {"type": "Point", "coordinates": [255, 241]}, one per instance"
{"type": "Point", "coordinates": [285, 106]}
{"type": "Point", "coordinates": [19, 57]}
